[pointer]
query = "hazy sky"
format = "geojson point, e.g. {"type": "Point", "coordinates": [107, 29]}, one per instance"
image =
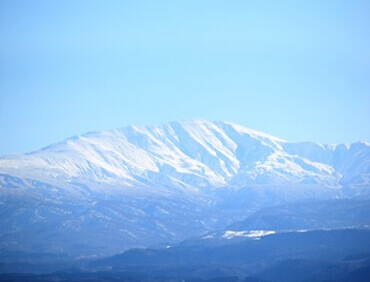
{"type": "Point", "coordinates": [299, 70]}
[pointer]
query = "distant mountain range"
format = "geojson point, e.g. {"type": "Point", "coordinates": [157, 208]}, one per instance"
{"type": "Point", "coordinates": [145, 185]}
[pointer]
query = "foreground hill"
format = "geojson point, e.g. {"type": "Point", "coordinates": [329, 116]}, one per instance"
{"type": "Point", "coordinates": [337, 255]}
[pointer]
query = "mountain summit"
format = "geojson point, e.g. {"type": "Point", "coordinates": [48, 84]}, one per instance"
{"type": "Point", "coordinates": [148, 184]}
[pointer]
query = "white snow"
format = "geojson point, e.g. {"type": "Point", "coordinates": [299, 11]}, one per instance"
{"type": "Point", "coordinates": [229, 234]}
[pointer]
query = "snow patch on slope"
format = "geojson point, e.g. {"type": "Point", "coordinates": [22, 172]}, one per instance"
{"type": "Point", "coordinates": [256, 234]}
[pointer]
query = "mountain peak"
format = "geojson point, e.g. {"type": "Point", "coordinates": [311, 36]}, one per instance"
{"type": "Point", "coordinates": [207, 124]}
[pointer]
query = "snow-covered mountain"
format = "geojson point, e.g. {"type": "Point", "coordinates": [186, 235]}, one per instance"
{"type": "Point", "coordinates": [192, 155]}
{"type": "Point", "coordinates": [144, 184]}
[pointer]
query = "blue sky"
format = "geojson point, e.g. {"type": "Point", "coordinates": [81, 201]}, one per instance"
{"type": "Point", "coordinates": [299, 70]}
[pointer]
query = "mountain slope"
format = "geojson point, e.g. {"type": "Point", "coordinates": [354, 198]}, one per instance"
{"type": "Point", "coordinates": [303, 216]}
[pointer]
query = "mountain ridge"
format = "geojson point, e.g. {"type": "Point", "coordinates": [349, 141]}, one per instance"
{"type": "Point", "coordinates": [214, 153]}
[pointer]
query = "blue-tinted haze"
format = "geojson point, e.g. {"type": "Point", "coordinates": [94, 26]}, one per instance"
{"type": "Point", "coordinates": [299, 70]}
